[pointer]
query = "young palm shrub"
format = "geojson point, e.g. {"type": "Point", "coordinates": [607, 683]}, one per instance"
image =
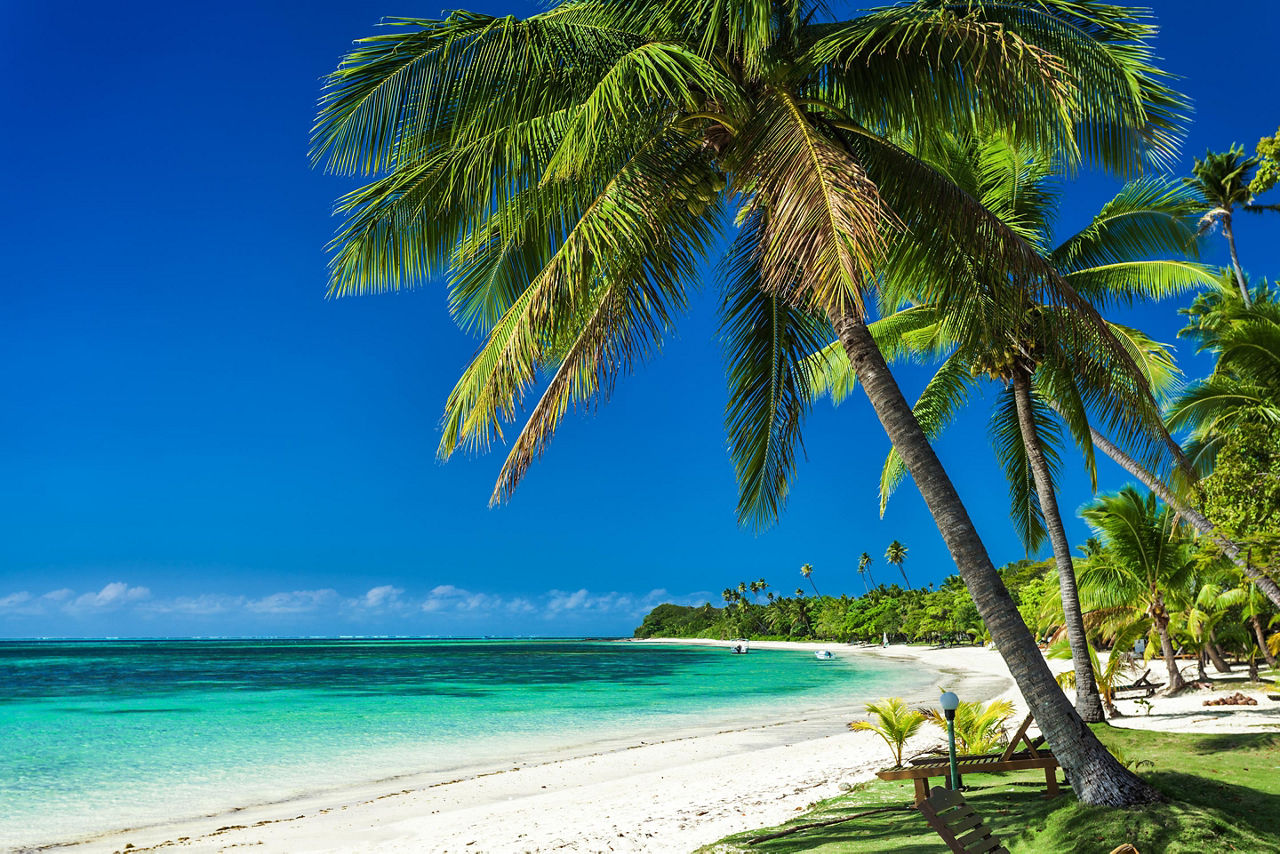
{"type": "Point", "coordinates": [980, 727]}
{"type": "Point", "coordinates": [1144, 570]}
{"type": "Point", "coordinates": [897, 723]}
{"type": "Point", "coordinates": [1114, 671]}
{"type": "Point", "coordinates": [569, 172]}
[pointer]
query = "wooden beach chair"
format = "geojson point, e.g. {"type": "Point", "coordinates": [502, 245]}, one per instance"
{"type": "Point", "coordinates": [1034, 756]}
{"type": "Point", "coordinates": [1142, 685]}
{"type": "Point", "coordinates": [959, 826]}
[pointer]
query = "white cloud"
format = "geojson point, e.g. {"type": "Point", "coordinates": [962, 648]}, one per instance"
{"type": "Point", "coordinates": [444, 601]}
{"type": "Point", "coordinates": [293, 602]}
{"type": "Point", "coordinates": [205, 604]}
{"type": "Point", "coordinates": [115, 595]}
{"type": "Point", "coordinates": [380, 597]}
{"type": "Point", "coordinates": [14, 601]}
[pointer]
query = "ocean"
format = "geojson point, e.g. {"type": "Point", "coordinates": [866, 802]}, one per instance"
{"type": "Point", "coordinates": [104, 735]}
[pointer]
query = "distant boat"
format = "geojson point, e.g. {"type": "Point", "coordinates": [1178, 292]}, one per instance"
{"type": "Point", "coordinates": [741, 646]}
{"type": "Point", "coordinates": [824, 655]}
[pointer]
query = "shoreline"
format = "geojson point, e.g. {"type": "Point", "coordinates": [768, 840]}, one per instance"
{"type": "Point", "coordinates": [676, 791]}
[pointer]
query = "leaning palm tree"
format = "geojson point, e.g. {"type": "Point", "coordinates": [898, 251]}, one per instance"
{"type": "Point", "coordinates": [569, 170]}
{"type": "Point", "coordinates": [1222, 180]}
{"type": "Point", "coordinates": [1145, 569]}
{"type": "Point", "coordinates": [807, 572]}
{"type": "Point", "coordinates": [1044, 378]}
{"type": "Point", "coordinates": [864, 569]}
{"type": "Point", "coordinates": [896, 554]}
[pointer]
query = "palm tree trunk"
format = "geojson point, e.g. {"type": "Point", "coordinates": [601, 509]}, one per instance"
{"type": "Point", "coordinates": [1097, 777]}
{"type": "Point", "coordinates": [1256, 624]}
{"type": "Point", "coordinates": [1215, 655]}
{"type": "Point", "coordinates": [1088, 704]}
{"type": "Point", "coordinates": [1188, 514]}
{"type": "Point", "coordinates": [1230, 234]}
{"type": "Point", "coordinates": [1161, 618]}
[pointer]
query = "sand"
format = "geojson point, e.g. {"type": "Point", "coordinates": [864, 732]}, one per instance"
{"type": "Point", "coordinates": [665, 796]}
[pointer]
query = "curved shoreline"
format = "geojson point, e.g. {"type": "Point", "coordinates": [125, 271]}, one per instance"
{"type": "Point", "coordinates": [673, 792]}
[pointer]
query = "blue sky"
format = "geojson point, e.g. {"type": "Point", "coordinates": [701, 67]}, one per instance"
{"type": "Point", "coordinates": [194, 441]}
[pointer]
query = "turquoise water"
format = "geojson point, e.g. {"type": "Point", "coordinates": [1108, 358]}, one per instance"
{"type": "Point", "coordinates": [98, 735]}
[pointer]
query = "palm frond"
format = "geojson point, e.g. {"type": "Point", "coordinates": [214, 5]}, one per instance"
{"type": "Point", "coordinates": [767, 341]}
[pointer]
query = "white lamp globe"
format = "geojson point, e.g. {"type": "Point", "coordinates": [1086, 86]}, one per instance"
{"type": "Point", "coordinates": [950, 702]}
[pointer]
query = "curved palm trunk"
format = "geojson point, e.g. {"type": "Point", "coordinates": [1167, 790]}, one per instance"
{"type": "Point", "coordinates": [1188, 514]}
{"type": "Point", "coordinates": [1256, 624]}
{"type": "Point", "coordinates": [1097, 777]}
{"type": "Point", "coordinates": [1215, 655]}
{"type": "Point", "coordinates": [1160, 616]}
{"type": "Point", "coordinates": [1088, 703]}
{"type": "Point", "coordinates": [1230, 234]}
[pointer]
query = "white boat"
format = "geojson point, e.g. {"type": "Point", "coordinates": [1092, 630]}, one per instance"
{"type": "Point", "coordinates": [824, 655]}
{"type": "Point", "coordinates": [741, 646]}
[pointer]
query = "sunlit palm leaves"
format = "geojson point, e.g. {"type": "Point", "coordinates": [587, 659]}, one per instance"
{"type": "Point", "coordinates": [556, 170]}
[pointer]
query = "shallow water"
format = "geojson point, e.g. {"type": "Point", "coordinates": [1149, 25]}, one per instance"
{"type": "Point", "coordinates": [98, 735]}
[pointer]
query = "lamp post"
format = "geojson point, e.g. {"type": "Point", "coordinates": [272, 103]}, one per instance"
{"type": "Point", "coordinates": [950, 702]}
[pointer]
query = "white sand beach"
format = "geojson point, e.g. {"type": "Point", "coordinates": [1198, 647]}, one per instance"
{"type": "Point", "coordinates": [665, 796]}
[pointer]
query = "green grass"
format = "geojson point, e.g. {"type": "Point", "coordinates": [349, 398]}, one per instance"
{"type": "Point", "coordinates": [1223, 795]}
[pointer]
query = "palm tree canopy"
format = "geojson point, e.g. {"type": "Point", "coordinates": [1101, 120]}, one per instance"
{"type": "Point", "coordinates": [1117, 259]}
{"type": "Point", "coordinates": [1244, 387]}
{"type": "Point", "coordinates": [896, 553]}
{"type": "Point", "coordinates": [566, 173]}
{"type": "Point", "coordinates": [1222, 178]}
{"type": "Point", "coordinates": [1142, 553]}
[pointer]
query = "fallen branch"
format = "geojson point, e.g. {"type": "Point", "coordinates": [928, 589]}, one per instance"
{"type": "Point", "coordinates": [827, 823]}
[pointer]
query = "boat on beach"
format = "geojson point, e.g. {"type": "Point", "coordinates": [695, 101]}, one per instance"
{"type": "Point", "coordinates": [741, 646]}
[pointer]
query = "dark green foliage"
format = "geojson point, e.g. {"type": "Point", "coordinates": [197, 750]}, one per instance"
{"type": "Point", "coordinates": [1242, 496]}
{"type": "Point", "coordinates": [678, 621]}
{"type": "Point", "coordinates": [943, 615]}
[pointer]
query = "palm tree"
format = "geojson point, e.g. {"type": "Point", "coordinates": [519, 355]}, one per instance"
{"type": "Point", "coordinates": [807, 572]}
{"type": "Point", "coordinates": [1041, 372]}
{"type": "Point", "coordinates": [1244, 387]}
{"type": "Point", "coordinates": [896, 554]}
{"type": "Point", "coordinates": [897, 723]}
{"type": "Point", "coordinates": [569, 170]}
{"type": "Point", "coordinates": [864, 570]}
{"type": "Point", "coordinates": [1144, 570]}
{"type": "Point", "coordinates": [979, 727]}
{"type": "Point", "coordinates": [1222, 181]}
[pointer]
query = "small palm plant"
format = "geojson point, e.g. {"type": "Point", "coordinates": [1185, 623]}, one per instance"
{"type": "Point", "coordinates": [897, 724]}
{"type": "Point", "coordinates": [979, 726]}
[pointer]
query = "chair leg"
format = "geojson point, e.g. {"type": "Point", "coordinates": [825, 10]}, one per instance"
{"type": "Point", "coordinates": [922, 789]}
{"type": "Point", "coordinates": [1051, 782]}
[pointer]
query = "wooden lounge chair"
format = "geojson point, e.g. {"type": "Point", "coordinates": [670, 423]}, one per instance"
{"type": "Point", "coordinates": [959, 826]}
{"type": "Point", "coordinates": [1142, 685]}
{"type": "Point", "coordinates": [1035, 756]}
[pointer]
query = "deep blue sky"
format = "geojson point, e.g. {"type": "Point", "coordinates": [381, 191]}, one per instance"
{"type": "Point", "coordinates": [194, 441]}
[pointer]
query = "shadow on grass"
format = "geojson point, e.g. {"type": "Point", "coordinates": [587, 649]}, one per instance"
{"type": "Point", "coordinates": [1220, 742]}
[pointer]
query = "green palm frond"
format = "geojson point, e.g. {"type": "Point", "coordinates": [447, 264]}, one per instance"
{"type": "Point", "coordinates": [946, 393]}
{"type": "Point", "coordinates": [896, 723]}
{"type": "Point", "coordinates": [617, 240]}
{"type": "Point", "coordinates": [1011, 453]}
{"type": "Point", "coordinates": [1127, 282]}
{"type": "Point", "coordinates": [767, 340]}
{"type": "Point", "coordinates": [1147, 217]}
{"type": "Point", "coordinates": [910, 333]}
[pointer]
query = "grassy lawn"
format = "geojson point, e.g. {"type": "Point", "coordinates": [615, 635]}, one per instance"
{"type": "Point", "coordinates": [1223, 795]}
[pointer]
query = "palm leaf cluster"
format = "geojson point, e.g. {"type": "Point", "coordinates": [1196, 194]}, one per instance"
{"type": "Point", "coordinates": [566, 172]}
{"type": "Point", "coordinates": [1131, 250]}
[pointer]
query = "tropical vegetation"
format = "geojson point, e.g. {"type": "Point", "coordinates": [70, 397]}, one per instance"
{"type": "Point", "coordinates": [567, 173]}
